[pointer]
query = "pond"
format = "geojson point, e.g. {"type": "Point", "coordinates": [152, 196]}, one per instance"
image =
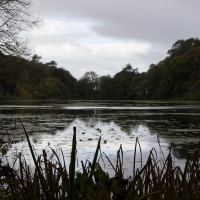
{"type": "Point", "coordinates": [116, 122]}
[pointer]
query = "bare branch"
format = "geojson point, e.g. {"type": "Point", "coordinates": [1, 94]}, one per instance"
{"type": "Point", "coordinates": [16, 17]}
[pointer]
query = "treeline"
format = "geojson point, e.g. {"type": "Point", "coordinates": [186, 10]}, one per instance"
{"type": "Point", "coordinates": [23, 79]}
{"type": "Point", "coordinates": [175, 77]}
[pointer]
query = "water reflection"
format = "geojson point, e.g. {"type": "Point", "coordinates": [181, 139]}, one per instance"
{"type": "Point", "coordinates": [53, 124]}
{"type": "Point", "coordinates": [88, 134]}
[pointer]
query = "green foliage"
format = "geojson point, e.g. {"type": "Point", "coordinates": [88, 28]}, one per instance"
{"type": "Point", "coordinates": [106, 87]}
{"type": "Point", "coordinates": [88, 86]}
{"type": "Point", "coordinates": [181, 46]}
{"type": "Point", "coordinates": [33, 80]}
{"type": "Point", "coordinates": [52, 63]}
{"type": "Point", "coordinates": [138, 86]}
{"type": "Point", "coordinates": [122, 83]}
{"type": "Point", "coordinates": [36, 58]}
{"type": "Point", "coordinates": [175, 77]}
{"type": "Point", "coordinates": [194, 92]}
{"type": "Point", "coordinates": [153, 78]}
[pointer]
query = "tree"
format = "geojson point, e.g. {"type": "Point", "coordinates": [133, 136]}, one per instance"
{"type": "Point", "coordinates": [105, 87]}
{"type": "Point", "coordinates": [181, 46]}
{"type": "Point", "coordinates": [53, 88]}
{"type": "Point", "coordinates": [52, 63]}
{"type": "Point", "coordinates": [194, 93]}
{"type": "Point", "coordinates": [65, 77]}
{"type": "Point", "coordinates": [129, 68]}
{"type": "Point", "coordinates": [153, 78]}
{"type": "Point", "coordinates": [91, 76]}
{"type": "Point", "coordinates": [15, 18]}
{"type": "Point", "coordinates": [122, 82]}
{"type": "Point", "coordinates": [138, 86]}
{"type": "Point", "coordinates": [36, 58]}
{"type": "Point", "coordinates": [88, 85]}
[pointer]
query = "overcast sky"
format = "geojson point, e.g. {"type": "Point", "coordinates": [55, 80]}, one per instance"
{"type": "Point", "coordinates": [105, 35]}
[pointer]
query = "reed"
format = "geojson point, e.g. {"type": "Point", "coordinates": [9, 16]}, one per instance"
{"type": "Point", "coordinates": [50, 179]}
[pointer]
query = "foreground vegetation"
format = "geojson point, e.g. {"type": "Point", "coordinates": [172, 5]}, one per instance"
{"type": "Point", "coordinates": [175, 77]}
{"type": "Point", "coordinates": [50, 178]}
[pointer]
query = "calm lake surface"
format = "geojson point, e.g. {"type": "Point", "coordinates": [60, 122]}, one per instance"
{"type": "Point", "coordinates": [116, 122]}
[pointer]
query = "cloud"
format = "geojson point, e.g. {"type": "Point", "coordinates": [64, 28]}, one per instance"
{"type": "Point", "coordinates": [105, 35]}
{"type": "Point", "coordinates": [101, 58]}
{"type": "Point", "coordinates": [58, 32]}
{"type": "Point", "coordinates": [57, 39]}
{"type": "Point", "coordinates": [152, 21]}
{"type": "Point", "coordinates": [59, 26]}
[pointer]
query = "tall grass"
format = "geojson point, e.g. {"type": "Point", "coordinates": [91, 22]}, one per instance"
{"type": "Point", "coordinates": [51, 180]}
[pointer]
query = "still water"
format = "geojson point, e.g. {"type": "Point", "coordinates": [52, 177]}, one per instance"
{"type": "Point", "coordinates": [116, 122]}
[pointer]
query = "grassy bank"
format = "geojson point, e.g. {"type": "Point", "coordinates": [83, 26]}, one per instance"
{"type": "Point", "coordinates": [51, 179]}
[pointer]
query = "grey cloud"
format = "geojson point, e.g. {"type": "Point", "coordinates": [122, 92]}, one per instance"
{"type": "Point", "coordinates": [108, 65]}
{"type": "Point", "coordinates": [154, 21]}
{"type": "Point", "coordinates": [58, 39]}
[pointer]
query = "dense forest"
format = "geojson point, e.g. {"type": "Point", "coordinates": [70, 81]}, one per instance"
{"type": "Point", "coordinates": [175, 77]}
{"type": "Point", "coordinates": [23, 79]}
